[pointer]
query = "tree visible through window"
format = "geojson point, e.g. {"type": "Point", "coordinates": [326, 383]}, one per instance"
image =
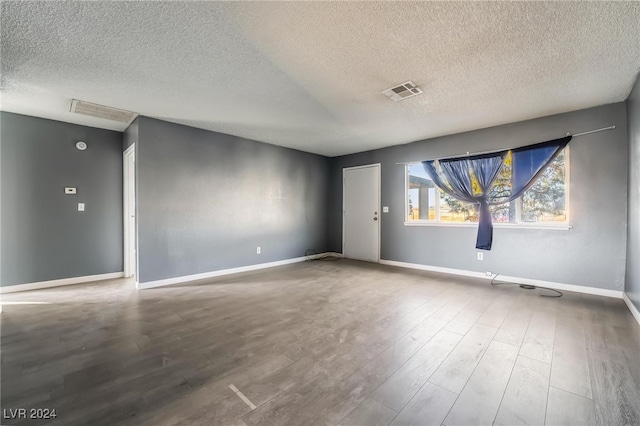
{"type": "Point", "coordinates": [545, 200]}
{"type": "Point", "coordinates": [544, 203]}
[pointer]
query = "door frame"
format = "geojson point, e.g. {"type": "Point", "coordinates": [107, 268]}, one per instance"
{"type": "Point", "coordinates": [130, 252]}
{"type": "Point", "coordinates": [379, 183]}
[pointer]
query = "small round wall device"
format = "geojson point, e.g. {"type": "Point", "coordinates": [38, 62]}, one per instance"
{"type": "Point", "coordinates": [81, 145]}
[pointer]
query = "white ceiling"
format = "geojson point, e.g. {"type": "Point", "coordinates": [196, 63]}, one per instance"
{"type": "Point", "coordinates": [308, 75]}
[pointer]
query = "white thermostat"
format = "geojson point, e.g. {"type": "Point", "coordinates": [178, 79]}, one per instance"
{"type": "Point", "coordinates": [69, 190]}
{"type": "Point", "coordinates": [81, 145]}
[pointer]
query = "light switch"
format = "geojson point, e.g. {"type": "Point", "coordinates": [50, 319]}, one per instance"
{"type": "Point", "coordinates": [69, 190]}
{"type": "Point", "coordinates": [385, 209]}
{"type": "Point", "coordinates": [80, 207]}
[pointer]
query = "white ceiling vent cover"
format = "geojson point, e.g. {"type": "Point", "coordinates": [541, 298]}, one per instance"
{"type": "Point", "coordinates": [402, 91]}
{"type": "Point", "coordinates": [101, 111]}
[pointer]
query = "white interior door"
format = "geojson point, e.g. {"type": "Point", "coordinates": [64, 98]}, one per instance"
{"type": "Point", "coordinates": [129, 212]}
{"type": "Point", "coordinates": [361, 213]}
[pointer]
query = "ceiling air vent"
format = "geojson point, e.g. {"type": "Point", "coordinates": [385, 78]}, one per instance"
{"type": "Point", "coordinates": [403, 91]}
{"type": "Point", "coordinates": [101, 111]}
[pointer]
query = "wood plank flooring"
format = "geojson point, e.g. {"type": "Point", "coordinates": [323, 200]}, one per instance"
{"type": "Point", "coordinates": [319, 343]}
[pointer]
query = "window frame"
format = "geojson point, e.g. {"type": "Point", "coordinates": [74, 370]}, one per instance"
{"type": "Point", "coordinates": [559, 226]}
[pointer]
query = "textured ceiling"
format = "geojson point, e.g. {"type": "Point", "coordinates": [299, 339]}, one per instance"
{"type": "Point", "coordinates": [308, 75]}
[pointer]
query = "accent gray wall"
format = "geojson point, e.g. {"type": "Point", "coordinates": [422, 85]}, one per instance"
{"type": "Point", "coordinates": [591, 254]}
{"type": "Point", "coordinates": [632, 282]}
{"type": "Point", "coordinates": [206, 200]}
{"type": "Point", "coordinates": [130, 135]}
{"type": "Point", "coordinates": [44, 237]}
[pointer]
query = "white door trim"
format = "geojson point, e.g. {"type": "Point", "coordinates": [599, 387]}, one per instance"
{"type": "Point", "coordinates": [130, 240]}
{"type": "Point", "coordinates": [344, 171]}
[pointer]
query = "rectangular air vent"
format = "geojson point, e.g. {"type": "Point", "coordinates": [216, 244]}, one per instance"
{"type": "Point", "coordinates": [402, 91]}
{"type": "Point", "coordinates": [101, 111]}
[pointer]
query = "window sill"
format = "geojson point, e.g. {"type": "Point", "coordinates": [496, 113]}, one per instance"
{"type": "Point", "coordinates": [563, 227]}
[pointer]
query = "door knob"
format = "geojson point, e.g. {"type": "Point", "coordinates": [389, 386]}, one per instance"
{"type": "Point", "coordinates": [375, 218]}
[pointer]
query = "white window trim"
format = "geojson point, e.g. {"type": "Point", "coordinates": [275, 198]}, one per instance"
{"type": "Point", "coordinates": [554, 226]}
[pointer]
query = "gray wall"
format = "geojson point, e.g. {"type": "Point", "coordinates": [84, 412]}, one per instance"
{"type": "Point", "coordinates": [44, 237]}
{"type": "Point", "coordinates": [591, 254]}
{"type": "Point", "coordinates": [130, 135]}
{"type": "Point", "coordinates": [206, 200]}
{"type": "Point", "coordinates": [632, 281]}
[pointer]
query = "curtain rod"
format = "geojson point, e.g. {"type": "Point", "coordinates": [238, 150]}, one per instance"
{"type": "Point", "coordinates": [488, 152]}
{"type": "Point", "coordinates": [592, 131]}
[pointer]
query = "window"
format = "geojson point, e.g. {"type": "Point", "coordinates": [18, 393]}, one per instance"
{"type": "Point", "coordinates": [544, 204]}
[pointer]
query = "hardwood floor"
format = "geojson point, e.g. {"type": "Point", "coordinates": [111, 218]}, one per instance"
{"type": "Point", "coordinates": [330, 343]}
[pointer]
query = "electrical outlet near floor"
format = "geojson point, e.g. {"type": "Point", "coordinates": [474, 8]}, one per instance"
{"type": "Point", "coordinates": [488, 273]}
{"type": "Point", "coordinates": [480, 255]}
{"type": "Point", "coordinates": [258, 250]}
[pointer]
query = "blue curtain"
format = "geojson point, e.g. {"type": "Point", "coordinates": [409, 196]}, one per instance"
{"type": "Point", "coordinates": [528, 164]}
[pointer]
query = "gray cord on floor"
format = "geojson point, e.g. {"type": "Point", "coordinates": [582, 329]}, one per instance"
{"type": "Point", "coordinates": [311, 255]}
{"type": "Point", "coordinates": [528, 287]}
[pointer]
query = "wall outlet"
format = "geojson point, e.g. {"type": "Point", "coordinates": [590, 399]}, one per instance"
{"type": "Point", "coordinates": [489, 274]}
{"type": "Point", "coordinates": [80, 207]}
{"type": "Point", "coordinates": [480, 255]}
{"type": "Point", "coordinates": [385, 209]}
{"type": "Point", "coordinates": [258, 250]}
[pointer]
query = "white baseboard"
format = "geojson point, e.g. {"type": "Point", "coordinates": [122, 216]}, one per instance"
{"type": "Point", "coordinates": [518, 280]}
{"type": "Point", "coordinates": [61, 282]}
{"type": "Point", "coordinates": [222, 272]}
{"type": "Point", "coordinates": [433, 268]}
{"type": "Point", "coordinates": [632, 307]}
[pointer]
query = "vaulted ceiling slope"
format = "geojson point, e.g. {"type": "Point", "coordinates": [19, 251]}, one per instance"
{"type": "Point", "coordinates": [308, 75]}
